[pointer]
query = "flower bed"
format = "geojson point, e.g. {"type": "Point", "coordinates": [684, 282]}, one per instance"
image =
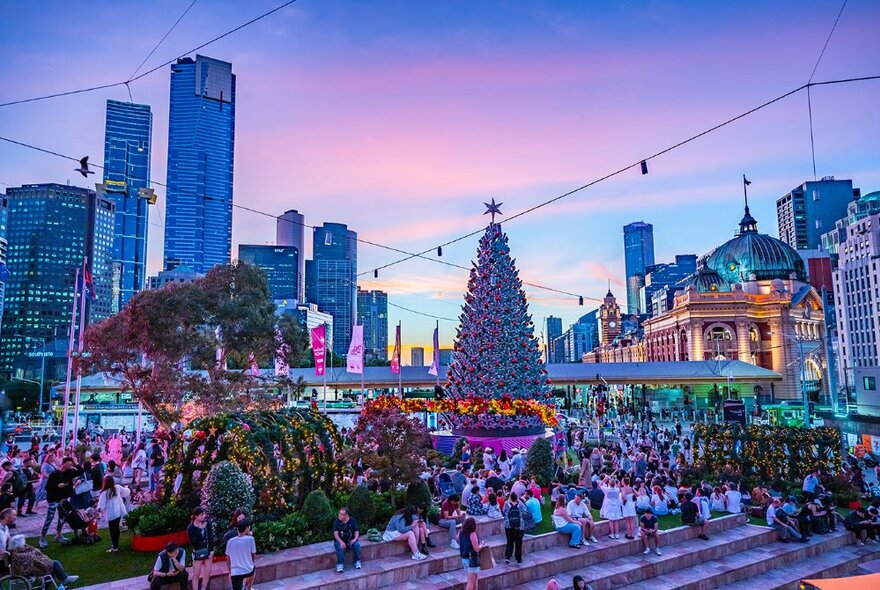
{"type": "Point", "coordinates": [505, 413]}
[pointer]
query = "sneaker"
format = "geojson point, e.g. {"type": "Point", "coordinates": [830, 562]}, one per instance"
{"type": "Point", "coordinates": [594, 540]}
{"type": "Point", "coordinates": [419, 556]}
{"type": "Point", "coordinates": [646, 551]}
{"type": "Point", "coordinates": [704, 537]}
{"type": "Point", "coordinates": [507, 560]}
{"type": "Point", "coordinates": [340, 568]}
{"type": "Point", "coordinates": [519, 562]}
{"type": "Point", "coordinates": [860, 543]}
{"type": "Point", "coordinates": [70, 580]}
{"type": "Point", "coordinates": [357, 565]}
{"type": "Point", "coordinates": [454, 544]}
{"type": "Point", "coordinates": [43, 543]}
{"type": "Point", "coordinates": [657, 551]}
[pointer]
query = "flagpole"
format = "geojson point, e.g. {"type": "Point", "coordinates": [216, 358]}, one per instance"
{"type": "Point", "coordinates": [69, 363]}
{"type": "Point", "coordinates": [326, 354]}
{"type": "Point", "coordinates": [437, 349]}
{"type": "Point", "coordinates": [400, 359]}
{"type": "Point", "coordinates": [82, 322]}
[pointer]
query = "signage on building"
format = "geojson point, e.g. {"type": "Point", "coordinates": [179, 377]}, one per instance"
{"type": "Point", "coordinates": [734, 410]}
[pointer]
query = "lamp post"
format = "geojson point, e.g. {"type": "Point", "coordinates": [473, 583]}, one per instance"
{"type": "Point", "coordinates": [42, 342]}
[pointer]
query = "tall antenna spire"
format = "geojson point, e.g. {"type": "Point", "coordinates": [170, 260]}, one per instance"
{"type": "Point", "coordinates": [748, 223]}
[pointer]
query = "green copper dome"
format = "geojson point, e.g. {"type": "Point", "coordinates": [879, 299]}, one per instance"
{"type": "Point", "coordinates": [751, 253]}
{"type": "Point", "coordinates": [706, 279]}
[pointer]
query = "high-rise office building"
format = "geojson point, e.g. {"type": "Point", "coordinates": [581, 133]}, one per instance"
{"type": "Point", "coordinates": [663, 277]}
{"type": "Point", "coordinates": [812, 209]}
{"type": "Point", "coordinates": [331, 279]}
{"type": "Point", "coordinates": [51, 229]}
{"type": "Point", "coordinates": [445, 357]}
{"type": "Point", "coordinates": [308, 316]}
{"type": "Point", "coordinates": [860, 208]}
{"type": "Point", "coordinates": [372, 314]}
{"type": "Point", "coordinates": [177, 276]}
{"type": "Point", "coordinates": [4, 246]}
{"type": "Point", "coordinates": [201, 141]}
{"type": "Point", "coordinates": [857, 299]}
{"type": "Point", "coordinates": [280, 263]}
{"type": "Point", "coordinates": [554, 331]}
{"type": "Point", "coordinates": [127, 141]}
{"type": "Point", "coordinates": [638, 251]}
{"type": "Point", "coordinates": [290, 230]}
{"type": "Point", "coordinates": [417, 356]}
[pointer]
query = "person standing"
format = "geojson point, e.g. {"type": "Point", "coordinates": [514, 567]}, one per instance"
{"type": "Point", "coordinates": [112, 506]}
{"type": "Point", "coordinates": [345, 538]}
{"type": "Point", "coordinates": [27, 495]}
{"type": "Point", "coordinates": [514, 510]}
{"type": "Point", "coordinates": [469, 550]}
{"type": "Point", "coordinates": [58, 487]}
{"type": "Point", "coordinates": [138, 465]}
{"type": "Point", "coordinates": [157, 460]}
{"type": "Point", "coordinates": [241, 551]}
{"type": "Point", "coordinates": [201, 541]}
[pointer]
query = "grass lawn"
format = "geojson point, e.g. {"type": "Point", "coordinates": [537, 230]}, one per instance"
{"type": "Point", "coordinates": [94, 565]}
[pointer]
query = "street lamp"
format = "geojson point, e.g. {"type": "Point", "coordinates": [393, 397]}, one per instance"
{"type": "Point", "coordinates": [804, 395]}
{"type": "Point", "coordinates": [42, 342]}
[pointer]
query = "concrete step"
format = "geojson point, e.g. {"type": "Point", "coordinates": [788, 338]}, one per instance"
{"type": "Point", "coordinates": [832, 564]}
{"type": "Point", "coordinates": [745, 564]}
{"type": "Point", "coordinates": [547, 552]}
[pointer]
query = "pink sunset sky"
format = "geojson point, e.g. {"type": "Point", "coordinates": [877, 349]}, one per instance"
{"type": "Point", "coordinates": [401, 118]}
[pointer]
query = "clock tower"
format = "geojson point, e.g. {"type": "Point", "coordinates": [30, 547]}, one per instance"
{"type": "Point", "coordinates": [609, 319]}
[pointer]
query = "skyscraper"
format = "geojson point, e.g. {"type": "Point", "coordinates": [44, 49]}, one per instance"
{"type": "Point", "coordinates": [417, 356]}
{"type": "Point", "coordinates": [4, 247]}
{"type": "Point", "coordinates": [51, 228]}
{"type": "Point", "coordinates": [812, 209]}
{"type": "Point", "coordinates": [127, 141]}
{"type": "Point", "coordinates": [201, 141]}
{"type": "Point", "coordinates": [280, 263]}
{"type": "Point", "coordinates": [290, 230]}
{"type": "Point", "coordinates": [554, 331]}
{"type": "Point", "coordinates": [638, 251]}
{"type": "Point", "coordinates": [663, 277]}
{"type": "Point", "coordinates": [331, 278]}
{"type": "Point", "coordinates": [372, 313]}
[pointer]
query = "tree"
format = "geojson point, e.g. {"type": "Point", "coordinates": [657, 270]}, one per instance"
{"type": "Point", "coordinates": [223, 324]}
{"type": "Point", "coordinates": [539, 461]}
{"type": "Point", "coordinates": [226, 489]}
{"type": "Point", "coordinates": [392, 443]}
{"type": "Point", "coordinates": [495, 353]}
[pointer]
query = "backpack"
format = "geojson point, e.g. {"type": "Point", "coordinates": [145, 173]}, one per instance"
{"type": "Point", "coordinates": [19, 481]}
{"type": "Point", "coordinates": [528, 521]}
{"type": "Point", "coordinates": [514, 517]}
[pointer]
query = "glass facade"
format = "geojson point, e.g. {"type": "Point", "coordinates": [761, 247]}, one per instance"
{"type": "Point", "coordinates": [51, 228]}
{"type": "Point", "coordinates": [280, 263]}
{"type": "Point", "coordinates": [638, 251]}
{"type": "Point", "coordinates": [812, 209]}
{"type": "Point", "coordinates": [4, 270]}
{"type": "Point", "coordinates": [372, 311]}
{"type": "Point", "coordinates": [331, 278]}
{"type": "Point", "coordinates": [127, 143]}
{"type": "Point", "coordinates": [554, 331]}
{"type": "Point", "coordinates": [290, 230]}
{"type": "Point", "coordinates": [201, 140]}
{"type": "Point", "coordinates": [664, 276]}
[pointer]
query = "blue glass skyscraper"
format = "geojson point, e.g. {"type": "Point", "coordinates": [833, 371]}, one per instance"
{"type": "Point", "coordinates": [127, 143]}
{"type": "Point", "coordinates": [638, 251]}
{"type": "Point", "coordinates": [201, 141]}
{"type": "Point", "coordinates": [280, 263]}
{"type": "Point", "coordinates": [331, 279]}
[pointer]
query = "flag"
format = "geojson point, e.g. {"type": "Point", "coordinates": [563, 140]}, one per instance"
{"type": "Point", "coordinates": [355, 358]}
{"type": "Point", "coordinates": [218, 354]}
{"type": "Point", "coordinates": [281, 350]}
{"type": "Point", "coordinates": [252, 362]}
{"type": "Point", "coordinates": [746, 181]}
{"type": "Point", "coordinates": [435, 364]}
{"type": "Point", "coordinates": [87, 283]}
{"type": "Point", "coordinates": [319, 348]}
{"type": "Point", "coordinates": [395, 356]}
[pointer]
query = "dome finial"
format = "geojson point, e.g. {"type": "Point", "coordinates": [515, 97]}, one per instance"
{"type": "Point", "coordinates": [748, 223]}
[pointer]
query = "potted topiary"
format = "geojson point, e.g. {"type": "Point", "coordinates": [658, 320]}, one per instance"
{"type": "Point", "coordinates": [226, 489]}
{"type": "Point", "coordinates": [154, 526]}
{"type": "Point", "coordinates": [539, 461]}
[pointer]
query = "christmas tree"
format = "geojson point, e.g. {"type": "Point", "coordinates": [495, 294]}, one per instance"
{"type": "Point", "coordinates": [496, 354]}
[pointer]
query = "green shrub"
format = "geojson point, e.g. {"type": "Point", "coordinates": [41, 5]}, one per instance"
{"type": "Point", "coordinates": [318, 511]}
{"type": "Point", "coordinates": [149, 520]}
{"type": "Point", "coordinates": [383, 508]}
{"type": "Point", "coordinates": [361, 507]}
{"type": "Point", "coordinates": [418, 495]}
{"type": "Point", "coordinates": [290, 531]}
{"type": "Point", "coordinates": [226, 490]}
{"type": "Point", "coordinates": [436, 459]}
{"type": "Point", "coordinates": [539, 461]}
{"type": "Point", "coordinates": [455, 458]}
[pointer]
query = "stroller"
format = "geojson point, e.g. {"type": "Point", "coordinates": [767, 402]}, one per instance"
{"type": "Point", "coordinates": [80, 522]}
{"type": "Point", "coordinates": [444, 482]}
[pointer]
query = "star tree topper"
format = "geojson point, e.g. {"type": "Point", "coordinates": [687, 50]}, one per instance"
{"type": "Point", "coordinates": [493, 208]}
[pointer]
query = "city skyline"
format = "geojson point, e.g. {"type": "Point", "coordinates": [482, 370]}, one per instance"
{"type": "Point", "coordinates": [458, 103]}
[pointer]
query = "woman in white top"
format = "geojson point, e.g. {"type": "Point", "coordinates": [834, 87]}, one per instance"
{"type": "Point", "coordinates": [611, 506]}
{"type": "Point", "coordinates": [659, 502]}
{"type": "Point", "coordinates": [643, 500]}
{"type": "Point", "coordinates": [504, 464]}
{"type": "Point", "coordinates": [111, 505]}
{"type": "Point", "coordinates": [629, 508]}
{"type": "Point", "coordinates": [138, 465]}
{"type": "Point", "coordinates": [718, 501]}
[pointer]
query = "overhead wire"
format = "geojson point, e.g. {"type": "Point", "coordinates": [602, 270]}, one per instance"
{"type": "Point", "coordinates": [151, 70]}
{"type": "Point", "coordinates": [162, 40]}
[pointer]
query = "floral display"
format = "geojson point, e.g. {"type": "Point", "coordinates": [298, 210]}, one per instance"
{"type": "Point", "coordinates": [475, 412]}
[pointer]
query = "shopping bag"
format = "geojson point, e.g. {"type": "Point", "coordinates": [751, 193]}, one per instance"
{"type": "Point", "coordinates": [487, 560]}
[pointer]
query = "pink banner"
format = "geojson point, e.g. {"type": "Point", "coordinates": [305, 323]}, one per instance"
{"type": "Point", "coordinates": [319, 348]}
{"type": "Point", "coordinates": [355, 358]}
{"type": "Point", "coordinates": [281, 350]}
{"type": "Point", "coordinates": [395, 357]}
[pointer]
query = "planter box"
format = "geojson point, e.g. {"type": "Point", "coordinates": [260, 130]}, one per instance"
{"type": "Point", "coordinates": [157, 543]}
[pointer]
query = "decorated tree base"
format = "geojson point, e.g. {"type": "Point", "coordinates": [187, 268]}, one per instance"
{"type": "Point", "coordinates": [444, 441]}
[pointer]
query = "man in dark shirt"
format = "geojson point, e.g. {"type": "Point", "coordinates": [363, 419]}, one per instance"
{"type": "Point", "coordinates": [58, 487]}
{"type": "Point", "coordinates": [345, 537]}
{"type": "Point", "coordinates": [596, 497]}
{"type": "Point", "coordinates": [690, 515]}
{"type": "Point", "coordinates": [648, 531]}
{"type": "Point", "coordinates": [495, 482]}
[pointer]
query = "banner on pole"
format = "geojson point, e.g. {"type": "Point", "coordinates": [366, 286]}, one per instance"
{"type": "Point", "coordinates": [355, 358]}
{"type": "Point", "coordinates": [395, 357]}
{"type": "Point", "coordinates": [435, 364]}
{"type": "Point", "coordinates": [319, 347]}
{"type": "Point", "coordinates": [281, 350]}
